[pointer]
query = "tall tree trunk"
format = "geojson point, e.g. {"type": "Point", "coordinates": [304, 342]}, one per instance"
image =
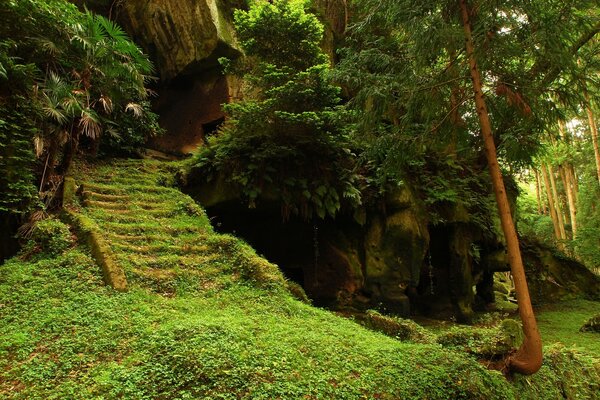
{"type": "Point", "coordinates": [566, 178]}
{"type": "Point", "coordinates": [594, 131]}
{"type": "Point", "coordinates": [557, 207]}
{"type": "Point", "coordinates": [573, 178]}
{"type": "Point", "coordinates": [528, 359]}
{"type": "Point", "coordinates": [537, 193]}
{"type": "Point", "coordinates": [551, 203]}
{"type": "Point", "coordinates": [569, 186]}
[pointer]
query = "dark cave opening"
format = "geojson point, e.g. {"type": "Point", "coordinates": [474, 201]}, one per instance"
{"type": "Point", "coordinates": [210, 128]}
{"type": "Point", "coordinates": [436, 274]}
{"type": "Point", "coordinates": [288, 244]}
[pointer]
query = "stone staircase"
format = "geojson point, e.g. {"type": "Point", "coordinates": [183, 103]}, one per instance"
{"type": "Point", "coordinates": [156, 235]}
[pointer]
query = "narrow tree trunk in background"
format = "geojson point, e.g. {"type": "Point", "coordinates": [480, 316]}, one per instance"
{"type": "Point", "coordinates": [575, 184]}
{"type": "Point", "coordinates": [557, 207]}
{"type": "Point", "coordinates": [549, 196]}
{"type": "Point", "coordinates": [566, 178]}
{"type": "Point", "coordinates": [594, 131]}
{"type": "Point", "coordinates": [537, 193]}
{"type": "Point", "coordinates": [567, 182]}
{"type": "Point", "coordinates": [528, 359]}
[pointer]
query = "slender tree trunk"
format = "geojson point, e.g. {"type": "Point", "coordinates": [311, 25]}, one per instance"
{"type": "Point", "coordinates": [550, 198]}
{"type": "Point", "coordinates": [573, 178]}
{"type": "Point", "coordinates": [568, 183]}
{"type": "Point", "coordinates": [566, 178]}
{"type": "Point", "coordinates": [594, 131]}
{"type": "Point", "coordinates": [537, 193]}
{"type": "Point", "coordinates": [557, 207]}
{"type": "Point", "coordinates": [528, 359]}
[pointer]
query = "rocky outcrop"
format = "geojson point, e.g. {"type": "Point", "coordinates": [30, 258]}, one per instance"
{"type": "Point", "coordinates": [182, 36]}
{"type": "Point", "coordinates": [552, 276]}
{"type": "Point", "coordinates": [395, 246]}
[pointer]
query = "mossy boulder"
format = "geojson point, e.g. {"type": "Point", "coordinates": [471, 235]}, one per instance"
{"type": "Point", "coordinates": [592, 325]}
{"type": "Point", "coordinates": [398, 328]}
{"type": "Point", "coordinates": [553, 276]}
{"type": "Point", "coordinates": [484, 342]}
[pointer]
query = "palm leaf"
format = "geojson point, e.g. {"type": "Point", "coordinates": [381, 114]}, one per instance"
{"type": "Point", "coordinates": [90, 124]}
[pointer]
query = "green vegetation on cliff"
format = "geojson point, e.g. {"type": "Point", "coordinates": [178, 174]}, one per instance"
{"type": "Point", "coordinates": [283, 141]}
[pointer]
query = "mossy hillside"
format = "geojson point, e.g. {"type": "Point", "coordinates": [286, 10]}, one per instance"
{"type": "Point", "coordinates": [64, 334]}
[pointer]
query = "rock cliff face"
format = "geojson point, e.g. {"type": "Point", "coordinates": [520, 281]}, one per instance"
{"type": "Point", "coordinates": [183, 36]}
{"type": "Point", "coordinates": [185, 39]}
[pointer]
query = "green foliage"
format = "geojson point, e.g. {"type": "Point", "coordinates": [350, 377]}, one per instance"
{"type": "Point", "coordinates": [398, 328]}
{"type": "Point", "coordinates": [17, 191]}
{"type": "Point", "coordinates": [231, 333]}
{"type": "Point", "coordinates": [531, 223]}
{"type": "Point", "coordinates": [65, 75]}
{"type": "Point", "coordinates": [484, 342]}
{"type": "Point", "coordinates": [282, 141]}
{"type": "Point", "coordinates": [406, 70]}
{"type": "Point", "coordinates": [50, 236]}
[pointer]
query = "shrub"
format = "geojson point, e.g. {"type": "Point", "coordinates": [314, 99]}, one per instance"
{"type": "Point", "coordinates": [50, 236]}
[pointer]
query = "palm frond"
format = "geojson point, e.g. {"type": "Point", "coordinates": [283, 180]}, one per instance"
{"type": "Point", "coordinates": [38, 145]}
{"type": "Point", "coordinates": [106, 103]}
{"type": "Point", "coordinates": [90, 124]}
{"type": "Point", "coordinates": [137, 109]}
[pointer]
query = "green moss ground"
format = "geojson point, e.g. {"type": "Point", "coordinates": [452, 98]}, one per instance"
{"type": "Point", "coordinates": [213, 323]}
{"type": "Point", "coordinates": [560, 323]}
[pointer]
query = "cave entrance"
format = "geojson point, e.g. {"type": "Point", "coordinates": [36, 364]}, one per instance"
{"type": "Point", "coordinates": [210, 128]}
{"type": "Point", "coordinates": [288, 244]}
{"type": "Point", "coordinates": [436, 276]}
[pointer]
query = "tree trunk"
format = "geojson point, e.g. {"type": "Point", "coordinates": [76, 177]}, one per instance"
{"type": "Point", "coordinates": [573, 178]}
{"type": "Point", "coordinates": [566, 178]}
{"type": "Point", "coordinates": [553, 215]}
{"type": "Point", "coordinates": [528, 359]}
{"type": "Point", "coordinates": [537, 193]}
{"type": "Point", "coordinates": [594, 131]}
{"type": "Point", "coordinates": [569, 185]}
{"type": "Point", "coordinates": [557, 207]}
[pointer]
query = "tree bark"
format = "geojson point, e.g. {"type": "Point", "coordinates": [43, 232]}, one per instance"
{"type": "Point", "coordinates": [573, 178]}
{"type": "Point", "coordinates": [566, 178]}
{"type": "Point", "coordinates": [553, 215]}
{"type": "Point", "coordinates": [559, 213]}
{"type": "Point", "coordinates": [538, 196]}
{"type": "Point", "coordinates": [528, 359]}
{"type": "Point", "coordinates": [569, 186]}
{"type": "Point", "coordinates": [593, 130]}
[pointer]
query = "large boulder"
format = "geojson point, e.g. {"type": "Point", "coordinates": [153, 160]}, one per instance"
{"type": "Point", "coordinates": [552, 276]}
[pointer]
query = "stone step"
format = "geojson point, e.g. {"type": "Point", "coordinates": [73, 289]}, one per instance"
{"type": "Point", "coordinates": [112, 190]}
{"type": "Point", "coordinates": [129, 229]}
{"type": "Point", "coordinates": [180, 239]}
{"type": "Point", "coordinates": [126, 180]}
{"type": "Point", "coordinates": [160, 249]}
{"type": "Point", "coordinates": [166, 261]}
{"type": "Point", "coordinates": [89, 195]}
{"type": "Point", "coordinates": [132, 216]}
